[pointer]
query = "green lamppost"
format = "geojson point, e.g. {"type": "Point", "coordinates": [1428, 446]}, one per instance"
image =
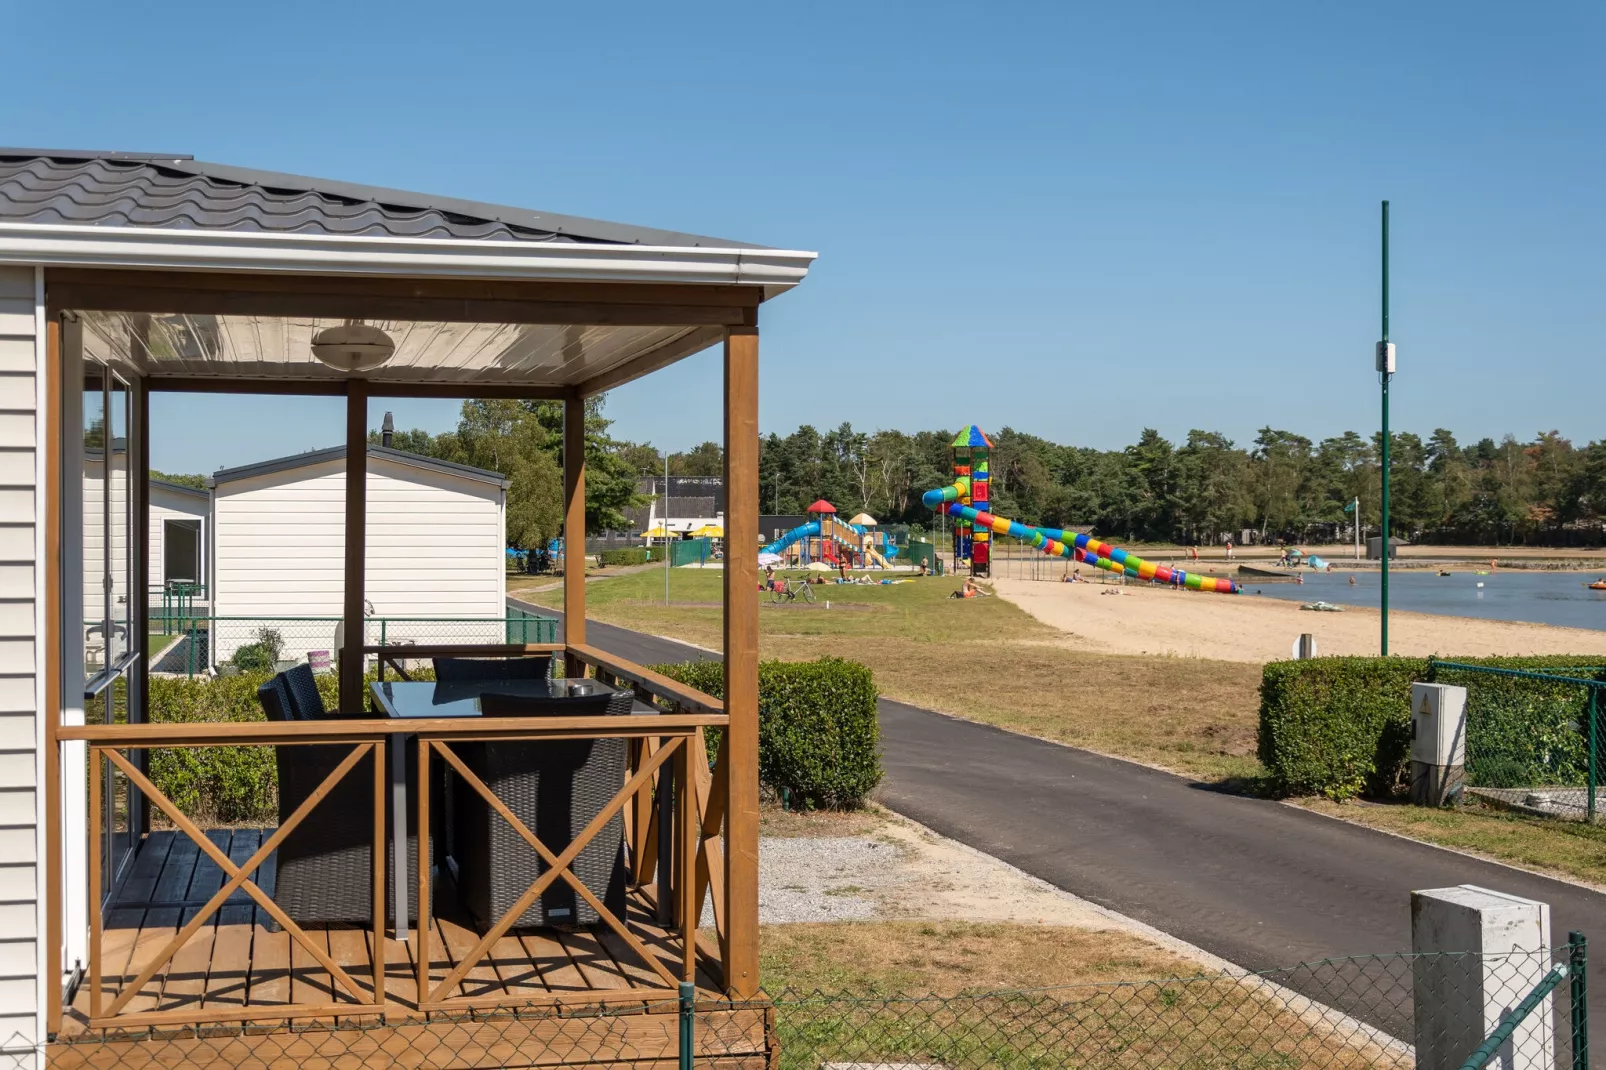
{"type": "Point", "coordinates": [1385, 371]}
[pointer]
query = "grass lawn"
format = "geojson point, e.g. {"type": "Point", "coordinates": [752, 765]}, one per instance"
{"type": "Point", "coordinates": [927, 648]}
{"type": "Point", "coordinates": [1114, 1001]}
{"type": "Point", "coordinates": [1192, 716]}
{"type": "Point", "coordinates": [1566, 848]}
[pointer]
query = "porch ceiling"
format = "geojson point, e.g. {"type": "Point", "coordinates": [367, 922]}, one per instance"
{"type": "Point", "coordinates": [280, 347]}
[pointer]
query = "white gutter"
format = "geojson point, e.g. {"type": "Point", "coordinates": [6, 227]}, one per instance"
{"type": "Point", "coordinates": [223, 250]}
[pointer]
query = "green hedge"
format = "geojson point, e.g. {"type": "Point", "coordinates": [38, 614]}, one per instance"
{"type": "Point", "coordinates": [1342, 726]}
{"type": "Point", "coordinates": [818, 736]}
{"type": "Point", "coordinates": [225, 785]}
{"type": "Point", "coordinates": [228, 785]}
{"type": "Point", "coordinates": [632, 555]}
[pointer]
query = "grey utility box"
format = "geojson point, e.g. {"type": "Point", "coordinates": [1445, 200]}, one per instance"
{"type": "Point", "coordinates": [1477, 954]}
{"type": "Point", "coordinates": [1438, 743]}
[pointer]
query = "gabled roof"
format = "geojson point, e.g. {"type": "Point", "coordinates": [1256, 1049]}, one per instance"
{"type": "Point", "coordinates": [130, 189]}
{"type": "Point", "coordinates": [180, 488]}
{"type": "Point", "coordinates": [338, 453]}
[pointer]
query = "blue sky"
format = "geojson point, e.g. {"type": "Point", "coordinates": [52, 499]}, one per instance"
{"type": "Point", "coordinates": [1076, 219]}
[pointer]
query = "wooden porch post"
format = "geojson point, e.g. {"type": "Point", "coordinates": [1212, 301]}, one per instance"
{"type": "Point", "coordinates": [741, 658]}
{"type": "Point", "coordinates": [574, 525]}
{"type": "Point", "coordinates": [351, 658]}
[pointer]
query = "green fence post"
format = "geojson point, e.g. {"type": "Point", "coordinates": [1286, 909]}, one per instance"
{"type": "Point", "coordinates": [1577, 962]}
{"type": "Point", "coordinates": [688, 1016]}
{"type": "Point", "coordinates": [1594, 748]}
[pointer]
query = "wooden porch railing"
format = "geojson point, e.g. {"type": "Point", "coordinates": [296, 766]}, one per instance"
{"type": "Point", "coordinates": [665, 749]}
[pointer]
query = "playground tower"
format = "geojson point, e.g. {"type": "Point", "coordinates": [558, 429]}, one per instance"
{"type": "Point", "coordinates": [972, 456]}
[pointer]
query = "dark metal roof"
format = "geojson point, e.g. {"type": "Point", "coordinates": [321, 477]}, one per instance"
{"type": "Point", "coordinates": [338, 453]}
{"type": "Point", "coordinates": [181, 488]}
{"type": "Point", "coordinates": [129, 189]}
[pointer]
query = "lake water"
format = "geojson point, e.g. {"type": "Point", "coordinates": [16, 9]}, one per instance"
{"type": "Point", "coordinates": [1541, 597]}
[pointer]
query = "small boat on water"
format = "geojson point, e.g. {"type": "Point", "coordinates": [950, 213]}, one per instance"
{"type": "Point", "coordinates": [1598, 585]}
{"type": "Point", "coordinates": [1444, 572]}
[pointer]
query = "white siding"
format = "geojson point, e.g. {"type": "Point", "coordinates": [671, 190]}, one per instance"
{"type": "Point", "coordinates": [172, 505]}
{"type": "Point", "coordinates": [19, 660]}
{"type": "Point", "coordinates": [435, 548]}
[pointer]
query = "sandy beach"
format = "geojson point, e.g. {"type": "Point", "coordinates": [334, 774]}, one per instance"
{"type": "Point", "coordinates": [1152, 620]}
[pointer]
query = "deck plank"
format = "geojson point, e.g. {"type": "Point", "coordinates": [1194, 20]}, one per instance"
{"type": "Point", "coordinates": [593, 965]}
{"type": "Point", "coordinates": [517, 969]}
{"type": "Point", "coordinates": [309, 981]}
{"type": "Point", "coordinates": [270, 964]}
{"type": "Point", "coordinates": [228, 980]}
{"type": "Point", "coordinates": [160, 925]}
{"type": "Point", "coordinates": [481, 979]}
{"type": "Point", "coordinates": [349, 949]}
{"type": "Point", "coordinates": [559, 971]}
{"type": "Point", "coordinates": [140, 885]}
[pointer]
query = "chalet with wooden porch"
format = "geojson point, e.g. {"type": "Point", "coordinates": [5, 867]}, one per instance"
{"type": "Point", "coordinates": [133, 933]}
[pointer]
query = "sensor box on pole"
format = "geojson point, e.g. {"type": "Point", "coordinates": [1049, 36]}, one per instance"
{"type": "Point", "coordinates": [1438, 743]}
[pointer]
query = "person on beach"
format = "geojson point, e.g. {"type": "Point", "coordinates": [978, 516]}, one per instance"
{"type": "Point", "coordinates": [1229, 549]}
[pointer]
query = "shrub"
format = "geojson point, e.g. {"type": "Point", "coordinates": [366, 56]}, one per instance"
{"type": "Point", "coordinates": [228, 785]}
{"type": "Point", "coordinates": [818, 737]}
{"type": "Point", "coordinates": [262, 655]}
{"type": "Point", "coordinates": [1342, 726]}
{"type": "Point", "coordinates": [632, 555]}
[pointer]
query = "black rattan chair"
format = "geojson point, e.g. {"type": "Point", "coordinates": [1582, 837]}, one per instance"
{"type": "Point", "coordinates": [475, 670]}
{"type": "Point", "coordinates": [556, 787]}
{"type": "Point", "coordinates": [325, 865]}
{"type": "Point", "coordinates": [306, 704]}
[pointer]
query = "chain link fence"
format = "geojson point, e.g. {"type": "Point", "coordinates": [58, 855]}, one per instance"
{"type": "Point", "coordinates": [1394, 1011]}
{"type": "Point", "coordinates": [212, 645]}
{"type": "Point", "coordinates": [1534, 736]}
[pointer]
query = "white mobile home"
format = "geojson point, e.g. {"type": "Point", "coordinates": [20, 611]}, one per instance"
{"type": "Point", "coordinates": [435, 551]}
{"type": "Point", "coordinates": [180, 525]}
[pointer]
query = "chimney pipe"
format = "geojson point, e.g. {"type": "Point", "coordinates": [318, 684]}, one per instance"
{"type": "Point", "coordinates": [387, 431]}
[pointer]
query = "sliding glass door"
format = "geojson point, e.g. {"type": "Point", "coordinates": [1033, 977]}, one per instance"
{"type": "Point", "coordinates": [111, 650]}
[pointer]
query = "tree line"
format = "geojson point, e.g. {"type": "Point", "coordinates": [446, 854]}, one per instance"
{"type": "Point", "coordinates": [1282, 487]}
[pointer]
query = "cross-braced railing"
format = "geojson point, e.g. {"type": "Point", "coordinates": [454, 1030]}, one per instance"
{"type": "Point", "coordinates": [672, 837]}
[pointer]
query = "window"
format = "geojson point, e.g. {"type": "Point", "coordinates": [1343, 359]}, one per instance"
{"type": "Point", "coordinates": [181, 551]}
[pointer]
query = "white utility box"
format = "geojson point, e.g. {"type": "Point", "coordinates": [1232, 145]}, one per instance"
{"type": "Point", "coordinates": [1477, 954]}
{"type": "Point", "coordinates": [1438, 743]}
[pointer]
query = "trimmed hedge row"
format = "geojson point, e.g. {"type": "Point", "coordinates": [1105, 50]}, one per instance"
{"type": "Point", "coordinates": [1341, 727]}
{"type": "Point", "coordinates": [632, 555]}
{"type": "Point", "coordinates": [819, 739]}
{"type": "Point", "coordinates": [818, 736]}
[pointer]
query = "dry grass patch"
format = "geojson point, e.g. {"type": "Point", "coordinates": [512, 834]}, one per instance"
{"type": "Point", "coordinates": [1568, 849]}
{"type": "Point", "coordinates": [963, 994]}
{"type": "Point", "coordinates": [984, 659]}
{"type": "Point", "coordinates": [776, 823]}
{"type": "Point", "coordinates": [950, 957]}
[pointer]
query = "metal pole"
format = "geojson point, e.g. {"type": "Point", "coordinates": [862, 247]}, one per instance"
{"type": "Point", "coordinates": [688, 1017]}
{"type": "Point", "coordinates": [1357, 527]}
{"type": "Point", "coordinates": [1578, 962]}
{"type": "Point", "coordinates": [1594, 749]}
{"type": "Point", "coordinates": [1387, 375]}
{"type": "Point", "coordinates": [666, 527]}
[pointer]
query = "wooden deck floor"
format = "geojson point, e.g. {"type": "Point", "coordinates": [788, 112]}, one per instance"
{"type": "Point", "coordinates": [238, 969]}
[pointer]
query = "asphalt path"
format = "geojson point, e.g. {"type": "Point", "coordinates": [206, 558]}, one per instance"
{"type": "Point", "coordinates": [1260, 884]}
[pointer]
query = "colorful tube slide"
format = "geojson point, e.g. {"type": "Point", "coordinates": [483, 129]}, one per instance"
{"type": "Point", "coordinates": [802, 531]}
{"type": "Point", "coordinates": [1057, 543]}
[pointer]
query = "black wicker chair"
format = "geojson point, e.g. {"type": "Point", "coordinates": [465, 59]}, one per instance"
{"type": "Point", "coordinates": [306, 704]}
{"type": "Point", "coordinates": [325, 865]}
{"type": "Point", "coordinates": [477, 670]}
{"type": "Point", "coordinates": [556, 787]}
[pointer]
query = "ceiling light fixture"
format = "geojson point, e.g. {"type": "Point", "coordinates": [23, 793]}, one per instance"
{"type": "Point", "coordinates": [353, 347]}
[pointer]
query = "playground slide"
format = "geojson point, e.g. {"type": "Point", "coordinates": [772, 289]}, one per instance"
{"type": "Point", "coordinates": [1057, 543]}
{"type": "Point", "coordinates": [802, 531]}
{"type": "Point", "coordinates": [811, 530]}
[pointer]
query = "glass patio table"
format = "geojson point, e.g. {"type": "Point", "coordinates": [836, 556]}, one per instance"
{"type": "Point", "coordinates": [404, 700]}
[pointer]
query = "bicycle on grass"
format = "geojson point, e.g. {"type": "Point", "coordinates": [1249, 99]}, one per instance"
{"type": "Point", "coordinates": [786, 590]}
